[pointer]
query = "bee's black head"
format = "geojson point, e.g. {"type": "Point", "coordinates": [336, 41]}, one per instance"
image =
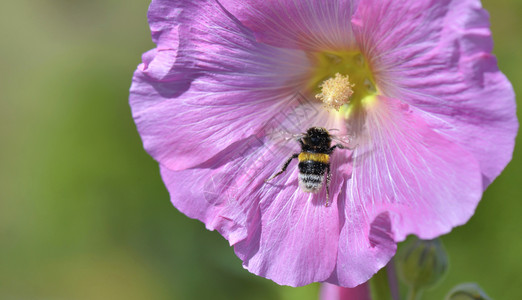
{"type": "Point", "coordinates": [318, 138]}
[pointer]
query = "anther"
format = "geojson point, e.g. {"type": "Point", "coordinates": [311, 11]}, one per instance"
{"type": "Point", "coordinates": [335, 91]}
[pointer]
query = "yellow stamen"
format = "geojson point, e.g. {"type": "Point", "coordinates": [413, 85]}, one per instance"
{"type": "Point", "coordinates": [335, 91]}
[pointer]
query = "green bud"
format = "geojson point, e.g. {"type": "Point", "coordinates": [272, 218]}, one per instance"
{"type": "Point", "coordinates": [467, 291]}
{"type": "Point", "coordinates": [421, 264]}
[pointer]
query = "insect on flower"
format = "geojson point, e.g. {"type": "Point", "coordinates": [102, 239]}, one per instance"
{"type": "Point", "coordinates": [413, 81]}
{"type": "Point", "coordinates": [314, 160]}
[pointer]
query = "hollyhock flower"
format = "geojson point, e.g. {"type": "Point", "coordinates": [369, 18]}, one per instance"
{"type": "Point", "coordinates": [411, 83]}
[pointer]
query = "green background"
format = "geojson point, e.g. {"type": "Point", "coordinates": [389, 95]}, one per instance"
{"type": "Point", "coordinates": [83, 211]}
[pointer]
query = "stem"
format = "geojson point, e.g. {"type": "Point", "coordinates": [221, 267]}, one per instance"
{"type": "Point", "coordinates": [380, 286]}
{"type": "Point", "coordinates": [333, 292]}
{"type": "Point", "coordinates": [414, 294]}
{"type": "Point", "coordinates": [392, 280]}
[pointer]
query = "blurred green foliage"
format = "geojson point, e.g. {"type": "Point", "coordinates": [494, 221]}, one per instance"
{"type": "Point", "coordinates": [83, 211]}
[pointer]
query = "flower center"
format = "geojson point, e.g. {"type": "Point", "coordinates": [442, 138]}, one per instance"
{"type": "Point", "coordinates": [341, 77]}
{"type": "Point", "coordinates": [336, 91]}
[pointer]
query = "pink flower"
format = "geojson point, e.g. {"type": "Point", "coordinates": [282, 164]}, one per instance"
{"type": "Point", "coordinates": [432, 118]}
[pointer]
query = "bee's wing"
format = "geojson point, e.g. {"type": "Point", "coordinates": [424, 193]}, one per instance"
{"type": "Point", "coordinates": [244, 167]}
{"type": "Point", "coordinates": [281, 136]}
{"type": "Point", "coordinates": [347, 141]}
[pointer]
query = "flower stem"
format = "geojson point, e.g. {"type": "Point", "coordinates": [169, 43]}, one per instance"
{"type": "Point", "coordinates": [414, 294]}
{"type": "Point", "coordinates": [379, 286]}
{"type": "Point", "coordinates": [333, 292]}
{"type": "Point", "coordinates": [392, 280]}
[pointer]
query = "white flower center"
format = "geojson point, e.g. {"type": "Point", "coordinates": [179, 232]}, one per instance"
{"type": "Point", "coordinates": [335, 91]}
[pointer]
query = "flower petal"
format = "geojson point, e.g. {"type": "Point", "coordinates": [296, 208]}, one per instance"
{"type": "Point", "coordinates": [217, 87]}
{"type": "Point", "coordinates": [278, 231]}
{"type": "Point", "coordinates": [295, 241]}
{"type": "Point", "coordinates": [294, 238]}
{"type": "Point", "coordinates": [445, 68]}
{"type": "Point", "coordinates": [407, 179]}
{"type": "Point", "coordinates": [406, 166]}
{"type": "Point", "coordinates": [310, 25]}
{"type": "Point", "coordinates": [388, 30]}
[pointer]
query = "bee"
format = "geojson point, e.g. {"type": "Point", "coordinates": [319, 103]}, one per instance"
{"type": "Point", "coordinates": [314, 160]}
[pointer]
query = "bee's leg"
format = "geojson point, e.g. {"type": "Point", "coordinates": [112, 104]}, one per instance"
{"type": "Point", "coordinates": [328, 179]}
{"type": "Point", "coordinates": [284, 167]}
{"type": "Point", "coordinates": [336, 146]}
{"type": "Point", "coordinates": [341, 147]}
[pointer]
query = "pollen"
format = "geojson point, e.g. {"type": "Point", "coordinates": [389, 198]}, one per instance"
{"type": "Point", "coordinates": [335, 91]}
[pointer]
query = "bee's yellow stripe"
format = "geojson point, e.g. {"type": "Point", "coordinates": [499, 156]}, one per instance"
{"type": "Point", "coordinates": [318, 157]}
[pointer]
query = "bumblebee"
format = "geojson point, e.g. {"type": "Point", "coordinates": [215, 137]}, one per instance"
{"type": "Point", "coordinates": [314, 160]}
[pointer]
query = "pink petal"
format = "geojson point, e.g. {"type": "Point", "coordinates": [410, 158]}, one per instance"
{"type": "Point", "coordinates": [194, 97]}
{"type": "Point", "coordinates": [293, 238]}
{"type": "Point", "coordinates": [407, 179]}
{"type": "Point", "coordinates": [445, 68]}
{"type": "Point", "coordinates": [278, 231]}
{"type": "Point", "coordinates": [388, 31]}
{"type": "Point", "coordinates": [310, 25]}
